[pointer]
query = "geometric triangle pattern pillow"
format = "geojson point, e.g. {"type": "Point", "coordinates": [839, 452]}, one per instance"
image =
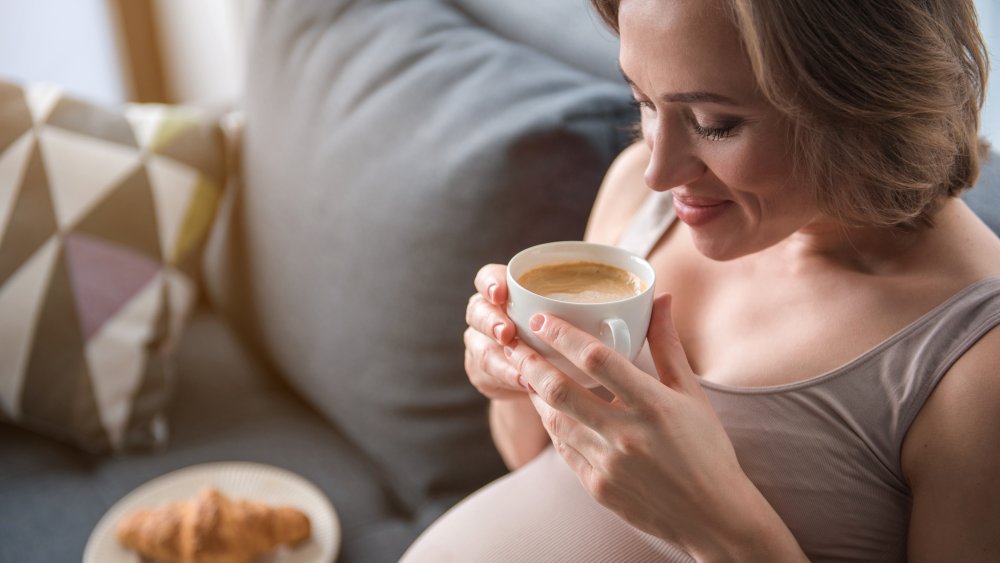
{"type": "Point", "coordinates": [103, 218]}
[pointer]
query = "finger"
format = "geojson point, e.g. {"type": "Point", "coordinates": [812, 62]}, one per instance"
{"type": "Point", "coordinates": [607, 367]}
{"type": "Point", "coordinates": [556, 388]}
{"type": "Point", "coordinates": [489, 370]}
{"type": "Point", "coordinates": [489, 319]}
{"type": "Point", "coordinates": [565, 429]}
{"type": "Point", "coordinates": [575, 459]}
{"type": "Point", "coordinates": [491, 283]}
{"type": "Point", "coordinates": [668, 353]}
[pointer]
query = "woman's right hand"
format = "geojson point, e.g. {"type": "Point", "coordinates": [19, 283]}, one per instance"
{"type": "Point", "coordinates": [490, 329]}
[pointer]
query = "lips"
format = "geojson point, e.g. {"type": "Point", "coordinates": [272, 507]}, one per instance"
{"type": "Point", "coordinates": [698, 211]}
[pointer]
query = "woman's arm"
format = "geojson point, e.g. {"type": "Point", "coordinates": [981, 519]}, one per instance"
{"type": "Point", "coordinates": [951, 457]}
{"type": "Point", "coordinates": [517, 431]}
{"type": "Point", "coordinates": [657, 444]}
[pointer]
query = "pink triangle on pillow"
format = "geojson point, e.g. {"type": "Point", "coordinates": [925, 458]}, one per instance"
{"type": "Point", "coordinates": [105, 276]}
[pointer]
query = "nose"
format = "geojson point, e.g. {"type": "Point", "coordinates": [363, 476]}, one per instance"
{"type": "Point", "coordinates": [672, 161]}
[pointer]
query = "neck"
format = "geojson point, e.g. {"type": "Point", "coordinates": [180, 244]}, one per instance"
{"type": "Point", "coordinates": [825, 243]}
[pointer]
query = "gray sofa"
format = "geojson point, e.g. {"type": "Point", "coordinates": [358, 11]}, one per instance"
{"type": "Point", "coordinates": [389, 150]}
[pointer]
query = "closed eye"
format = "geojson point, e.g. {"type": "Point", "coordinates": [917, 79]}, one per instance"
{"type": "Point", "coordinates": [712, 133]}
{"type": "Point", "coordinates": [716, 133]}
{"type": "Point", "coordinates": [642, 104]}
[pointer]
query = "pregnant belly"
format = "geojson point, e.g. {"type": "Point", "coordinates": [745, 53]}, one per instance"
{"type": "Point", "coordinates": [537, 513]}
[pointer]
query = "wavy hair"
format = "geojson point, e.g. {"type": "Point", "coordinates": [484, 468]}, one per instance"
{"type": "Point", "coordinates": [883, 98]}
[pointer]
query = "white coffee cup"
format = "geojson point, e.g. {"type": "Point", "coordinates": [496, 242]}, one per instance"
{"type": "Point", "coordinates": [620, 325]}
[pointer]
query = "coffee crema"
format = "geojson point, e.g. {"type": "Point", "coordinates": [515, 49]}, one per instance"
{"type": "Point", "coordinates": [582, 282]}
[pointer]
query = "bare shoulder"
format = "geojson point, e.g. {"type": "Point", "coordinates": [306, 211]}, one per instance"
{"type": "Point", "coordinates": [621, 194]}
{"type": "Point", "coordinates": [970, 246]}
{"type": "Point", "coordinates": [951, 460]}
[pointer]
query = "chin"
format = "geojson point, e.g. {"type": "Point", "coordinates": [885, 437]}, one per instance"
{"type": "Point", "coordinates": [724, 247]}
{"type": "Point", "coordinates": [719, 252]}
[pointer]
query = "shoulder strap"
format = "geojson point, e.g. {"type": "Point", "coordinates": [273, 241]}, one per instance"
{"type": "Point", "coordinates": [649, 223]}
{"type": "Point", "coordinates": [945, 334]}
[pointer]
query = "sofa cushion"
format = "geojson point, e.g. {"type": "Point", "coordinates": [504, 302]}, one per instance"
{"type": "Point", "coordinates": [102, 217]}
{"type": "Point", "coordinates": [391, 149]}
{"type": "Point", "coordinates": [227, 406]}
{"type": "Point", "coordinates": [566, 31]}
{"type": "Point", "coordinates": [984, 197]}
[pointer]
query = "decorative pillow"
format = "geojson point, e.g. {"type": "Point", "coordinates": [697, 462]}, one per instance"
{"type": "Point", "coordinates": [102, 219]}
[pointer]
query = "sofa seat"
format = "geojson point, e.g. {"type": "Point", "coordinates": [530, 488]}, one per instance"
{"type": "Point", "coordinates": [227, 406]}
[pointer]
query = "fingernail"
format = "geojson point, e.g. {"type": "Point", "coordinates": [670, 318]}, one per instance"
{"type": "Point", "coordinates": [536, 322]}
{"type": "Point", "coordinates": [498, 331]}
{"type": "Point", "coordinates": [492, 292]}
{"type": "Point", "coordinates": [522, 382]}
{"type": "Point", "coordinates": [508, 351]}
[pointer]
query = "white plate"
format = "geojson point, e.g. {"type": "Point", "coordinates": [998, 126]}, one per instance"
{"type": "Point", "coordinates": [255, 481]}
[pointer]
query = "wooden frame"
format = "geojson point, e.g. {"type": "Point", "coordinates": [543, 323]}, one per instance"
{"type": "Point", "coordinates": [139, 47]}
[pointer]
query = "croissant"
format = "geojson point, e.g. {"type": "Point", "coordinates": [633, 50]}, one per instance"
{"type": "Point", "coordinates": [211, 529]}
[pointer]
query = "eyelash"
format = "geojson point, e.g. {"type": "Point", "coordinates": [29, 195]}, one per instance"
{"type": "Point", "coordinates": [715, 133]}
{"type": "Point", "coordinates": [710, 133]}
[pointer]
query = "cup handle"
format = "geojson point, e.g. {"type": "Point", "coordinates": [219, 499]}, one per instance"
{"type": "Point", "coordinates": [614, 333]}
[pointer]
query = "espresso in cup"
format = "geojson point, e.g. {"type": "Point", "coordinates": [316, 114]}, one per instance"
{"type": "Point", "coordinates": [582, 282]}
{"type": "Point", "coordinates": [603, 290]}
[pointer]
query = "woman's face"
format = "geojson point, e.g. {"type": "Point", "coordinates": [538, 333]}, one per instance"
{"type": "Point", "coordinates": [716, 142]}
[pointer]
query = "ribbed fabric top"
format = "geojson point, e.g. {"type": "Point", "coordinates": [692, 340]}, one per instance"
{"type": "Point", "coordinates": [825, 451]}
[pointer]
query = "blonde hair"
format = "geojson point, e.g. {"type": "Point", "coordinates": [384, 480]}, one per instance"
{"type": "Point", "coordinates": [883, 98]}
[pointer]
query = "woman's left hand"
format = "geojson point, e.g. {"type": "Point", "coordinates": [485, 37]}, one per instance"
{"type": "Point", "coordinates": [657, 454]}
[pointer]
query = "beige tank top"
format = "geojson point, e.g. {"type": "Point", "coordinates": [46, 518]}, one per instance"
{"type": "Point", "coordinates": [825, 452]}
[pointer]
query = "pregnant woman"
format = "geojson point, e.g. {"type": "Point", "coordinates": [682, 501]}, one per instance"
{"type": "Point", "coordinates": [821, 375]}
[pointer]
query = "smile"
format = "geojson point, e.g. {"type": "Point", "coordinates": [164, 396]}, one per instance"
{"type": "Point", "coordinates": [698, 211]}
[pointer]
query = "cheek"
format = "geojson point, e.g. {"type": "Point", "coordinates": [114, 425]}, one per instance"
{"type": "Point", "coordinates": [744, 172]}
{"type": "Point", "coordinates": [754, 168]}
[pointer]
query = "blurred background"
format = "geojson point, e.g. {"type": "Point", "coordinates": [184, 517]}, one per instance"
{"type": "Point", "coordinates": [190, 51]}
{"type": "Point", "coordinates": [111, 51]}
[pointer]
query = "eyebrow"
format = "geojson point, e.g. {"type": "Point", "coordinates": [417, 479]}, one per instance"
{"type": "Point", "coordinates": [695, 97]}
